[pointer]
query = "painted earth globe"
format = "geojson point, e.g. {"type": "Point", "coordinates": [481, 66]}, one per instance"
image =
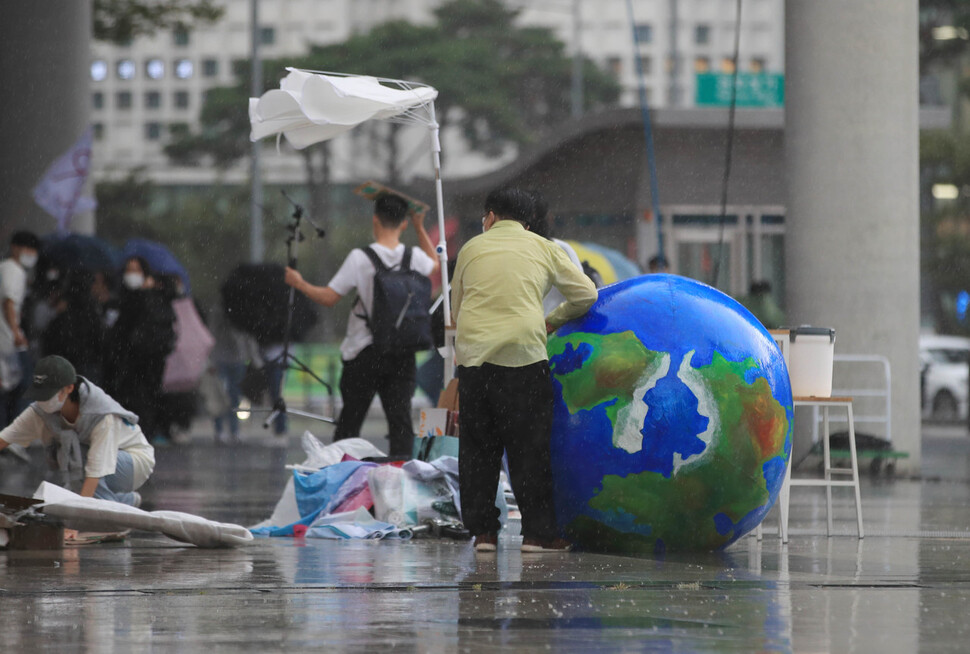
{"type": "Point", "coordinates": [672, 422]}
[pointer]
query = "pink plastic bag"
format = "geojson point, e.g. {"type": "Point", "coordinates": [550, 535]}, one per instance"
{"type": "Point", "coordinates": [193, 342]}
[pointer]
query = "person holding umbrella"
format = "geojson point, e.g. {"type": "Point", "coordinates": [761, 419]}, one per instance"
{"type": "Point", "coordinates": [138, 344]}
{"type": "Point", "coordinates": [89, 436]}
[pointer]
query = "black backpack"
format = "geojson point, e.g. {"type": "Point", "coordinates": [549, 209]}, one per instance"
{"type": "Point", "coordinates": [400, 321]}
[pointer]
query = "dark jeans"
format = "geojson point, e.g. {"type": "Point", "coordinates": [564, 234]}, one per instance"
{"type": "Point", "coordinates": [506, 409]}
{"type": "Point", "coordinates": [274, 381]}
{"type": "Point", "coordinates": [391, 376]}
{"type": "Point", "coordinates": [231, 375]}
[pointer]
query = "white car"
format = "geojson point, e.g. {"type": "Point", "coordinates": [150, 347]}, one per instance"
{"type": "Point", "coordinates": [945, 369]}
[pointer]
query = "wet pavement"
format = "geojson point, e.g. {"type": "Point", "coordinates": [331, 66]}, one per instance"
{"type": "Point", "coordinates": [904, 588]}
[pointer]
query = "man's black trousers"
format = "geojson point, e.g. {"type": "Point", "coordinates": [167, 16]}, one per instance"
{"type": "Point", "coordinates": [508, 409]}
{"type": "Point", "coordinates": [391, 376]}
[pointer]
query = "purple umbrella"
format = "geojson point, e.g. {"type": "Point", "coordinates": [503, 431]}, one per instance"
{"type": "Point", "coordinates": [159, 258]}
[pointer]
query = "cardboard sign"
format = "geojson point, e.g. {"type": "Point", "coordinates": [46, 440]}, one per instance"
{"type": "Point", "coordinates": [372, 189]}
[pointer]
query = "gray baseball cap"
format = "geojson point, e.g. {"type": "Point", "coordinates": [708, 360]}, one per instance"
{"type": "Point", "coordinates": [51, 374]}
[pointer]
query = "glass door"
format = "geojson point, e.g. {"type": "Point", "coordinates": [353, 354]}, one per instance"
{"type": "Point", "coordinates": [696, 252]}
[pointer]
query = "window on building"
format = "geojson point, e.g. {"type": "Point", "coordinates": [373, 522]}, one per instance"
{"type": "Point", "coordinates": [180, 36]}
{"type": "Point", "coordinates": [615, 65]}
{"type": "Point", "coordinates": [758, 64]}
{"type": "Point", "coordinates": [210, 67]}
{"type": "Point", "coordinates": [181, 99]}
{"type": "Point", "coordinates": [267, 35]}
{"type": "Point", "coordinates": [644, 32]}
{"type": "Point", "coordinates": [702, 64]}
{"type": "Point", "coordinates": [153, 100]}
{"type": "Point", "coordinates": [702, 34]}
{"type": "Point", "coordinates": [727, 65]}
{"type": "Point", "coordinates": [99, 70]}
{"type": "Point", "coordinates": [646, 64]}
{"type": "Point", "coordinates": [97, 130]}
{"type": "Point", "coordinates": [123, 100]}
{"type": "Point", "coordinates": [184, 68]}
{"type": "Point", "coordinates": [97, 100]}
{"type": "Point", "coordinates": [240, 67]}
{"type": "Point", "coordinates": [153, 131]}
{"type": "Point", "coordinates": [125, 68]}
{"type": "Point", "coordinates": [178, 129]}
{"type": "Point", "coordinates": [155, 68]}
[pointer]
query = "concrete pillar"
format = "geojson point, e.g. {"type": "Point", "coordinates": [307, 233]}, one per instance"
{"type": "Point", "coordinates": [851, 149]}
{"type": "Point", "coordinates": [44, 60]}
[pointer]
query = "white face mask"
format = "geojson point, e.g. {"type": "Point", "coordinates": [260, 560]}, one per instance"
{"type": "Point", "coordinates": [53, 405]}
{"type": "Point", "coordinates": [28, 260]}
{"type": "Point", "coordinates": [134, 280]}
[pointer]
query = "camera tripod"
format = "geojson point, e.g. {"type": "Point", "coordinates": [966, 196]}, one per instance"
{"type": "Point", "coordinates": [286, 360]}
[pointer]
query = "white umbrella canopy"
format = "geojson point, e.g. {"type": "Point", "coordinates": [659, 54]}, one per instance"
{"type": "Point", "coordinates": [313, 107]}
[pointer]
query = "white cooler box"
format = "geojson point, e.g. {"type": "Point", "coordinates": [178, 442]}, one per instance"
{"type": "Point", "coordinates": [811, 353]}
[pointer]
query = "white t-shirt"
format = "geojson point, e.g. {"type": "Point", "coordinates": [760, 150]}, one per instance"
{"type": "Point", "coordinates": [107, 437]}
{"type": "Point", "coordinates": [554, 298]}
{"type": "Point", "coordinates": [357, 272]}
{"type": "Point", "coordinates": [13, 286]}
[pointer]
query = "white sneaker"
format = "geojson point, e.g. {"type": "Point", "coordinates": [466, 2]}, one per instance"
{"type": "Point", "coordinates": [486, 542]}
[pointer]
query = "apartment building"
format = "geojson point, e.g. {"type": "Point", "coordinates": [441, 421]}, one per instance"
{"type": "Point", "coordinates": [145, 91]}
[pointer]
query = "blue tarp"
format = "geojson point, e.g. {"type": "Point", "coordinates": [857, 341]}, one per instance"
{"type": "Point", "coordinates": [315, 494]}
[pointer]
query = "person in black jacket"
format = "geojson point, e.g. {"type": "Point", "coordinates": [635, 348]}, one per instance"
{"type": "Point", "coordinates": [77, 332]}
{"type": "Point", "coordinates": [138, 344]}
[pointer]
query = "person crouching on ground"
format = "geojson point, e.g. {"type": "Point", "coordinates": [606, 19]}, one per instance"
{"type": "Point", "coordinates": [69, 414]}
{"type": "Point", "coordinates": [504, 383]}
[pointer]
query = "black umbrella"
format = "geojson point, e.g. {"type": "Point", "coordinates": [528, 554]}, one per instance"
{"type": "Point", "coordinates": [79, 252]}
{"type": "Point", "coordinates": [255, 297]}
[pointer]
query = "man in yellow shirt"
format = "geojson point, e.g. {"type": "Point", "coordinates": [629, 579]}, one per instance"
{"type": "Point", "coordinates": [505, 388]}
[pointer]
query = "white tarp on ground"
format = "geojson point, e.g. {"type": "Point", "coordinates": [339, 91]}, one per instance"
{"type": "Point", "coordinates": [90, 514]}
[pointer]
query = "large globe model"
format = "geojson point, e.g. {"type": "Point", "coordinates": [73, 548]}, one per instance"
{"type": "Point", "coordinates": [673, 419]}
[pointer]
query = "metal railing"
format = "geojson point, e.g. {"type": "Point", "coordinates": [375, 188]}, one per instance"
{"type": "Point", "coordinates": [877, 398]}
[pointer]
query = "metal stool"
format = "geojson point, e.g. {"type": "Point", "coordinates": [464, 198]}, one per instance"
{"type": "Point", "coordinates": [825, 403]}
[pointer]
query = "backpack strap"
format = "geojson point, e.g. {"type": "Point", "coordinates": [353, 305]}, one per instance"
{"type": "Point", "coordinates": [378, 266]}
{"type": "Point", "coordinates": [374, 259]}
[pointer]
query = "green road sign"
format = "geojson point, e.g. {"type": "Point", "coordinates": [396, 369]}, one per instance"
{"type": "Point", "coordinates": [754, 90]}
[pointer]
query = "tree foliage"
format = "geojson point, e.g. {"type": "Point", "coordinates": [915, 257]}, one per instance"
{"type": "Point", "coordinates": [934, 14]}
{"type": "Point", "coordinates": [944, 44]}
{"type": "Point", "coordinates": [207, 229]}
{"type": "Point", "coordinates": [497, 82]}
{"type": "Point", "coordinates": [120, 21]}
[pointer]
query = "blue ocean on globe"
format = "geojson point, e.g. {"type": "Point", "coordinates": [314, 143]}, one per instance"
{"type": "Point", "coordinates": [672, 421]}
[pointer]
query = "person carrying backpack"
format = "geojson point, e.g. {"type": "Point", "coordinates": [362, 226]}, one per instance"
{"type": "Point", "coordinates": [388, 322]}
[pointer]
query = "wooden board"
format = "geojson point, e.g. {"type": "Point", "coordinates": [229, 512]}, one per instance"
{"type": "Point", "coordinates": [96, 537]}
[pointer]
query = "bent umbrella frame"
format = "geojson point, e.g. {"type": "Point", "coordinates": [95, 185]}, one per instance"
{"type": "Point", "coordinates": [315, 106]}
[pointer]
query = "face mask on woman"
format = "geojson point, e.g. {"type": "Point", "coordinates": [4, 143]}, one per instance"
{"type": "Point", "coordinates": [28, 260]}
{"type": "Point", "coordinates": [134, 280]}
{"type": "Point", "coordinates": [52, 405]}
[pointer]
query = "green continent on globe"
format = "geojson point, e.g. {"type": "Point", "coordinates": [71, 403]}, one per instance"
{"type": "Point", "coordinates": [616, 368]}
